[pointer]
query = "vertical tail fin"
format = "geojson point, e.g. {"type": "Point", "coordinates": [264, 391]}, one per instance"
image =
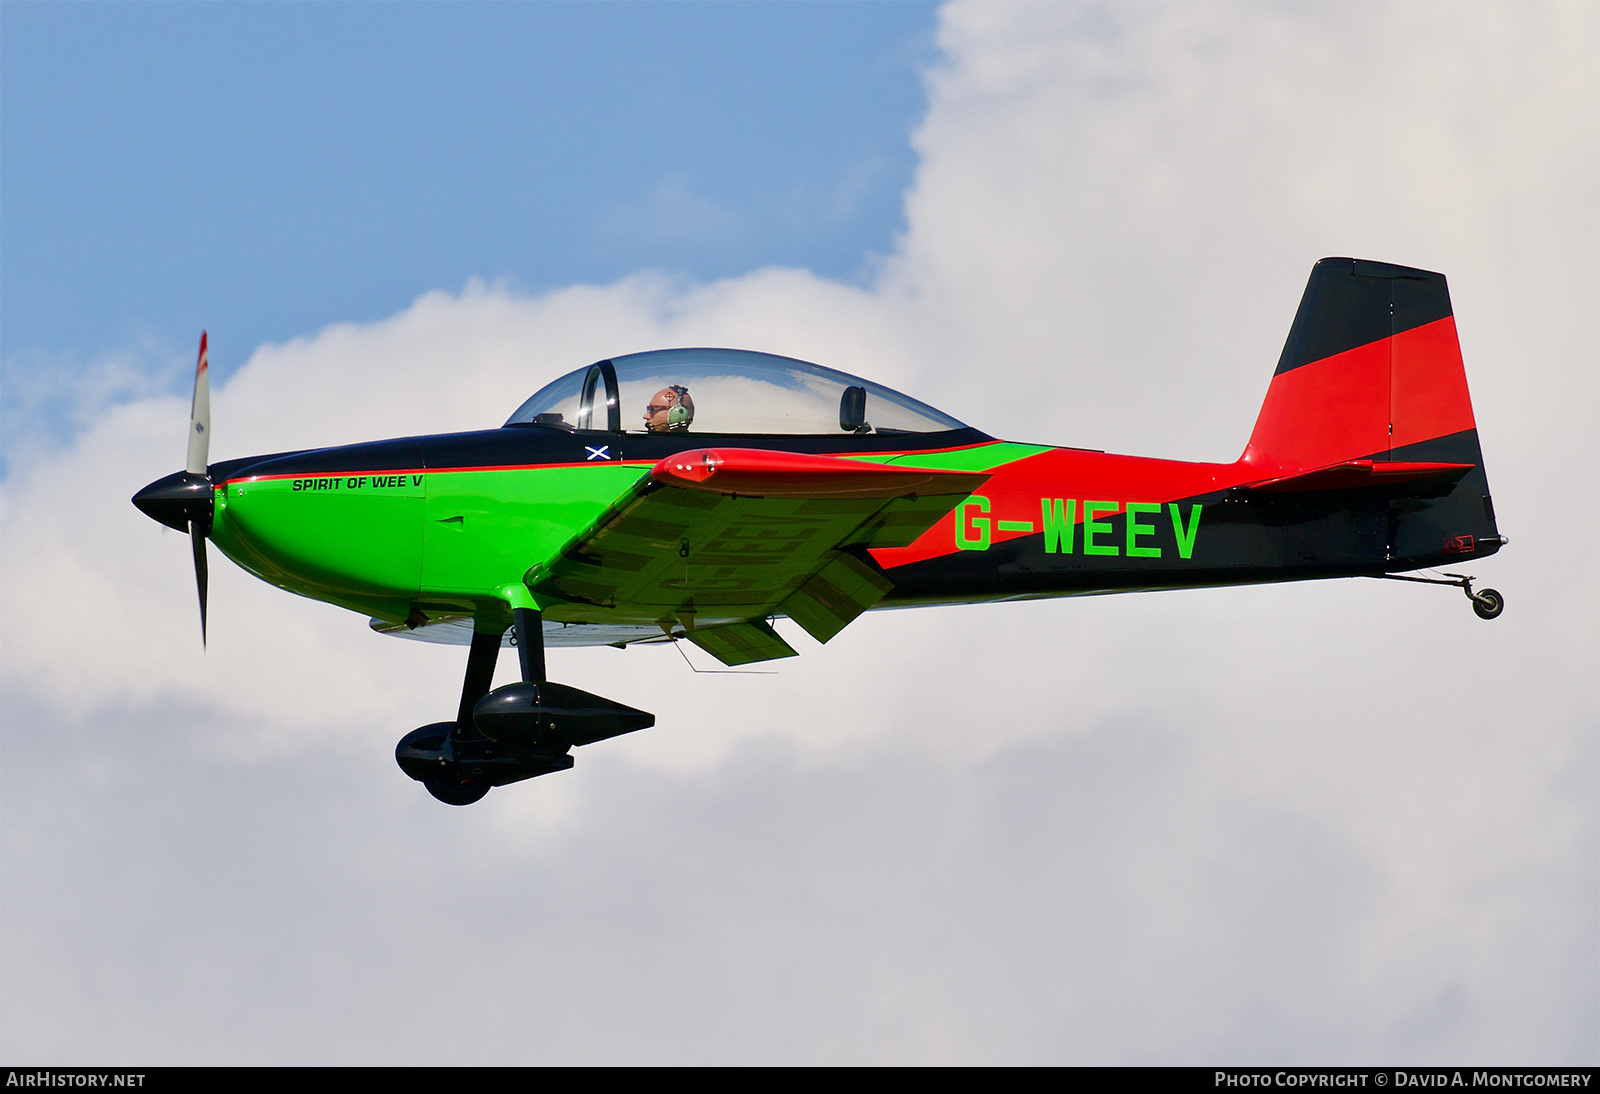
{"type": "Point", "coordinates": [1372, 371]}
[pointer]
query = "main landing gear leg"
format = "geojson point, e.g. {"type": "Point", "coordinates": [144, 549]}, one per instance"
{"type": "Point", "coordinates": [1486, 603]}
{"type": "Point", "coordinates": [529, 626]}
{"type": "Point", "coordinates": [540, 721]}
{"type": "Point", "coordinates": [481, 661]}
{"type": "Point", "coordinates": [514, 732]}
{"type": "Point", "coordinates": [452, 759]}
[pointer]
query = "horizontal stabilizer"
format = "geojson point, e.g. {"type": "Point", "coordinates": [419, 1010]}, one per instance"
{"type": "Point", "coordinates": [1359, 474]}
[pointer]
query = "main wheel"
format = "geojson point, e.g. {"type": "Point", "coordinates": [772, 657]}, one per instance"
{"type": "Point", "coordinates": [456, 793]}
{"type": "Point", "coordinates": [1488, 603]}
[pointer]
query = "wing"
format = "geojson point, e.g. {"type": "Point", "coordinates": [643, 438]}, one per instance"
{"type": "Point", "coordinates": [716, 541]}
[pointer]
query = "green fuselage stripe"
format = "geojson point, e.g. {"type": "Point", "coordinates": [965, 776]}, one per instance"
{"type": "Point", "coordinates": [979, 457]}
{"type": "Point", "coordinates": [379, 541]}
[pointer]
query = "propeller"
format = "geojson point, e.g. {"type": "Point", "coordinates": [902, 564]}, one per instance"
{"type": "Point", "coordinates": [199, 465]}
{"type": "Point", "coordinates": [183, 500]}
{"type": "Point", "coordinates": [200, 415]}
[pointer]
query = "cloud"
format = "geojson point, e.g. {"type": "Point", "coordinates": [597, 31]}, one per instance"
{"type": "Point", "coordinates": [48, 402]}
{"type": "Point", "coordinates": [1334, 823]}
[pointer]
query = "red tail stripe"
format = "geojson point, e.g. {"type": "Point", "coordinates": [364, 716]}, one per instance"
{"type": "Point", "coordinates": [1330, 410]}
{"type": "Point", "coordinates": [1342, 406]}
{"type": "Point", "coordinates": [1429, 396]}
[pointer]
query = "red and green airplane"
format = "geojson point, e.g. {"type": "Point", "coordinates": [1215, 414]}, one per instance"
{"type": "Point", "coordinates": [699, 494]}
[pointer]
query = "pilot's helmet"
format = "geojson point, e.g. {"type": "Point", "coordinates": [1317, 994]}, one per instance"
{"type": "Point", "coordinates": [670, 410]}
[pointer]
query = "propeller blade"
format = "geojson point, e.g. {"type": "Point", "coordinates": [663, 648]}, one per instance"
{"type": "Point", "coordinates": [197, 539]}
{"type": "Point", "coordinates": [184, 499]}
{"type": "Point", "coordinates": [200, 414]}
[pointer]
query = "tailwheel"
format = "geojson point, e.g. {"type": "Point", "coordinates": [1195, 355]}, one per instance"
{"type": "Point", "coordinates": [1488, 603]}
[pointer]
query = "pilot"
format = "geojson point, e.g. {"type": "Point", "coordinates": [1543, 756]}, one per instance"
{"type": "Point", "coordinates": [670, 410]}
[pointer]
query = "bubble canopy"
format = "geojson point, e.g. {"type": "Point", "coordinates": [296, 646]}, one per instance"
{"type": "Point", "coordinates": [732, 391]}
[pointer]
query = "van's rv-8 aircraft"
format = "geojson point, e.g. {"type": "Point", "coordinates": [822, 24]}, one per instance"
{"type": "Point", "coordinates": [698, 494]}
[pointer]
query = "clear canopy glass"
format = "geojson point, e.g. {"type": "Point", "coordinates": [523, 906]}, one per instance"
{"type": "Point", "coordinates": [731, 391]}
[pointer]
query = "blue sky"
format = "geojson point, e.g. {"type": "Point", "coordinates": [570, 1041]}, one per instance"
{"type": "Point", "coordinates": [266, 169]}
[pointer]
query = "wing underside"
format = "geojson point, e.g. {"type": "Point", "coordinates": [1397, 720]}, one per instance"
{"type": "Point", "coordinates": [455, 629]}
{"type": "Point", "coordinates": [713, 544]}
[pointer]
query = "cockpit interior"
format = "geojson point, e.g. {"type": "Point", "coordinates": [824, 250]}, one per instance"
{"type": "Point", "coordinates": [724, 392]}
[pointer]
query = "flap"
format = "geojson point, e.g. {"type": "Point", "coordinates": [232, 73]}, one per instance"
{"type": "Point", "coordinates": [742, 643]}
{"type": "Point", "coordinates": [832, 597]}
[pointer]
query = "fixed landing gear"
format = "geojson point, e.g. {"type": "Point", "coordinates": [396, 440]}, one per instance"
{"type": "Point", "coordinates": [1486, 603]}
{"type": "Point", "coordinates": [456, 795]}
{"type": "Point", "coordinates": [459, 771]}
{"type": "Point", "coordinates": [425, 754]}
{"type": "Point", "coordinates": [515, 732]}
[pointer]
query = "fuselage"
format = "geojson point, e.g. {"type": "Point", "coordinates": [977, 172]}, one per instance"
{"type": "Point", "coordinates": [417, 528]}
